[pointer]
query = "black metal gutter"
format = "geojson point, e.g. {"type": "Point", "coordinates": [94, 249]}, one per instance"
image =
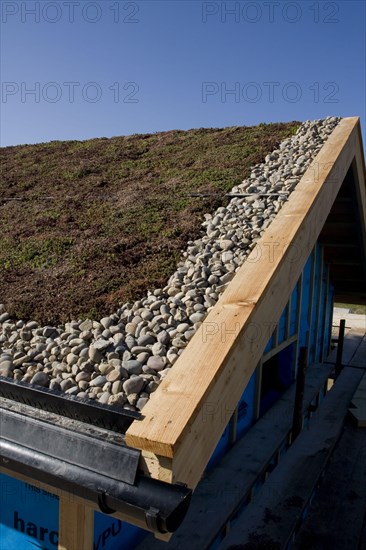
{"type": "Point", "coordinates": [158, 506]}
{"type": "Point", "coordinates": [105, 416]}
{"type": "Point", "coordinates": [101, 470]}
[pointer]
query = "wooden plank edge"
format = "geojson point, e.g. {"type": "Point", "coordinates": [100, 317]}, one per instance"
{"type": "Point", "coordinates": [160, 439]}
{"type": "Point", "coordinates": [248, 304]}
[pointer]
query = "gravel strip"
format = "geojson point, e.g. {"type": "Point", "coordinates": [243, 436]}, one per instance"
{"type": "Point", "coordinates": [122, 358]}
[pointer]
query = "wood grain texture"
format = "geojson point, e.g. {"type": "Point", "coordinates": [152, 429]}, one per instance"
{"type": "Point", "coordinates": [76, 525]}
{"type": "Point", "coordinates": [360, 172]}
{"type": "Point", "coordinates": [186, 417]}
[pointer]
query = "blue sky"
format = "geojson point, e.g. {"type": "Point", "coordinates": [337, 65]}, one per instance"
{"type": "Point", "coordinates": [109, 68]}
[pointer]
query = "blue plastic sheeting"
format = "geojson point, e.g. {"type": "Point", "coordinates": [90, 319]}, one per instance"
{"type": "Point", "coordinates": [293, 310]}
{"type": "Point", "coordinates": [277, 376]}
{"type": "Point", "coordinates": [245, 420]}
{"type": "Point", "coordinates": [257, 486]}
{"type": "Point", "coordinates": [313, 330]}
{"type": "Point", "coordinates": [217, 540]}
{"type": "Point", "coordinates": [283, 449]}
{"type": "Point", "coordinates": [306, 423]}
{"type": "Point", "coordinates": [282, 322]}
{"type": "Point", "coordinates": [282, 326]}
{"type": "Point", "coordinates": [329, 318]}
{"type": "Point", "coordinates": [29, 519]}
{"type": "Point", "coordinates": [305, 301]}
{"type": "Point", "coordinates": [221, 448]}
{"type": "Point", "coordinates": [269, 345]}
{"type": "Point", "coordinates": [322, 314]}
{"type": "Point", "coordinates": [322, 395]}
{"type": "Point", "coordinates": [114, 534]}
{"type": "Point", "coordinates": [286, 357]}
{"type": "Point", "coordinates": [29, 516]}
{"type": "Point", "coordinates": [246, 406]}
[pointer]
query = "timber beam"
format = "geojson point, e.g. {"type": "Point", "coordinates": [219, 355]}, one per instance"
{"type": "Point", "coordinates": [185, 418]}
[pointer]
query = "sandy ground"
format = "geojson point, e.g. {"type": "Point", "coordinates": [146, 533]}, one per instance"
{"type": "Point", "coordinates": [353, 320]}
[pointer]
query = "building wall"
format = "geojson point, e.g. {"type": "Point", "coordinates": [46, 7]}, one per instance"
{"type": "Point", "coordinates": [305, 321]}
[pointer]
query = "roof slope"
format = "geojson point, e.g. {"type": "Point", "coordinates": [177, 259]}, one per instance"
{"type": "Point", "coordinates": [87, 225]}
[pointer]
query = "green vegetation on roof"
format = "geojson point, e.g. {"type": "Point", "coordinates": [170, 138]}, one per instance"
{"type": "Point", "coordinates": [86, 226]}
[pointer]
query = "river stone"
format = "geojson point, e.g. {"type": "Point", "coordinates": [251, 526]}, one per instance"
{"type": "Point", "coordinates": [172, 358]}
{"type": "Point", "coordinates": [131, 328]}
{"type": "Point", "coordinates": [179, 343]}
{"type": "Point", "coordinates": [73, 391]}
{"type": "Point", "coordinates": [163, 337]}
{"type": "Point", "coordinates": [158, 349]}
{"type": "Point", "coordinates": [6, 369]}
{"type": "Point", "coordinates": [55, 384]}
{"type": "Point", "coordinates": [133, 385]}
{"type": "Point", "coordinates": [71, 359]}
{"type": "Point", "coordinates": [189, 334]}
{"type": "Point", "coordinates": [83, 395]}
{"type": "Point", "coordinates": [147, 370]}
{"type": "Point", "coordinates": [101, 344]}
{"type": "Point", "coordinates": [164, 373]}
{"type": "Point", "coordinates": [119, 399]}
{"type": "Point", "coordinates": [143, 357]}
{"type": "Point", "coordinates": [98, 381]}
{"type": "Point", "coordinates": [106, 322]}
{"type": "Point", "coordinates": [152, 386]}
{"type": "Point", "coordinates": [94, 354]}
{"type": "Point", "coordinates": [18, 362]}
{"type": "Point", "coordinates": [13, 338]}
{"type": "Point", "coordinates": [83, 376]}
{"type": "Point", "coordinates": [197, 317]}
{"type": "Point", "coordinates": [4, 317]}
{"type": "Point", "coordinates": [140, 404]}
{"type": "Point", "coordinates": [132, 398]}
{"type": "Point", "coordinates": [156, 363]}
{"type": "Point", "coordinates": [140, 349]}
{"type": "Point", "coordinates": [226, 278]}
{"type": "Point", "coordinates": [132, 366]}
{"type": "Point", "coordinates": [116, 387]}
{"type": "Point", "coordinates": [105, 368]}
{"type": "Point", "coordinates": [130, 341]}
{"type": "Point", "coordinates": [226, 244]}
{"type": "Point", "coordinates": [146, 340]}
{"type": "Point", "coordinates": [104, 397]}
{"type": "Point", "coordinates": [114, 375]}
{"type": "Point", "coordinates": [146, 315]}
{"type": "Point", "coordinates": [86, 326]}
{"type": "Point", "coordinates": [66, 384]}
{"type": "Point", "coordinates": [48, 331]}
{"type": "Point", "coordinates": [182, 327]}
{"type": "Point", "coordinates": [115, 363]}
{"type": "Point", "coordinates": [6, 363]}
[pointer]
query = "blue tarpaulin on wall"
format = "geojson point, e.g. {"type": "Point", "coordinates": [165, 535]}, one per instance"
{"type": "Point", "coordinates": [29, 520]}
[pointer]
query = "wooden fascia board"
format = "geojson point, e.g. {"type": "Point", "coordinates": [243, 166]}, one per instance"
{"type": "Point", "coordinates": [360, 184]}
{"type": "Point", "coordinates": [185, 418]}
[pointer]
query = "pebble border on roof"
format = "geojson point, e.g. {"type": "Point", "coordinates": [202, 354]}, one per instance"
{"type": "Point", "coordinates": [122, 358]}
